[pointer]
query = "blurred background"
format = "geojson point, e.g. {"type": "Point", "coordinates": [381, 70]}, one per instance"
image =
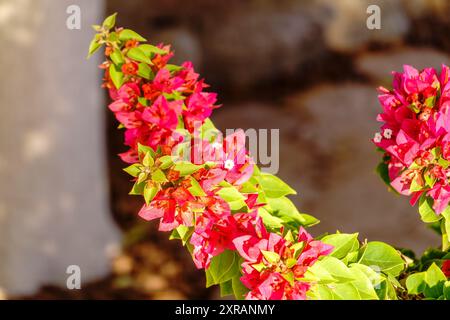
{"type": "Point", "coordinates": [308, 68]}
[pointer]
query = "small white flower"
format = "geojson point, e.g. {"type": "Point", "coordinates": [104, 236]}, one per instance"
{"type": "Point", "coordinates": [216, 145]}
{"type": "Point", "coordinates": [377, 138]}
{"type": "Point", "coordinates": [387, 133]}
{"type": "Point", "coordinates": [229, 164]}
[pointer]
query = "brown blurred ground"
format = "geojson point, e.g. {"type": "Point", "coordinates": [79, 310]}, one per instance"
{"type": "Point", "coordinates": [309, 68]}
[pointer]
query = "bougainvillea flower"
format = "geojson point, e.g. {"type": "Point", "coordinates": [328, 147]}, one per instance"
{"type": "Point", "coordinates": [160, 60]}
{"type": "Point", "coordinates": [162, 113]}
{"type": "Point", "coordinates": [161, 107]}
{"type": "Point", "coordinates": [229, 155]}
{"type": "Point", "coordinates": [162, 83]}
{"type": "Point", "coordinates": [174, 206]}
{"type": "Point", "coordinates": [199, 106]}
{"type": "Point", "coordinates": [125, 98]}
{"type": "Point", "coordinates": [274, 266]}
{"type": "Point", "coordinates": [215, 233]}
{"type": "Point", "coordinates": [415, 134]}
{"type": "Point", "coordinates": [238, 164]}
{"type": "Point", "coordinates": [130, 68]}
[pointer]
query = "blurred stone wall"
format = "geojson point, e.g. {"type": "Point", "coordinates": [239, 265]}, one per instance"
{"type": "Point", "coordinates": [53, 187]}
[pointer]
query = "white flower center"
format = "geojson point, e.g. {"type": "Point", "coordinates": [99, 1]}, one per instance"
{"type": "Point", "coordinates": [216, 145]}
{"type": "Point", "coordinates": [377, 138]}
{"type": "Point", "coordinates": [229, 164]}
{"type": "Point", "coordinates": [387, 133]}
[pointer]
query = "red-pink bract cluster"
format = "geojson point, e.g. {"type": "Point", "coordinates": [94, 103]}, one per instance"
{"type": "Point", "coordinates": [415, 134]}
{"type": "Point", "coordinates": [151, 112]}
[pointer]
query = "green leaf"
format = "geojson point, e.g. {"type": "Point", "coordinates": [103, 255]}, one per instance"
{"type": "Point", "coordinates": [96, 27]}
{"type": "Point", "coordinates": [109, 22]}
{"type": "Point", "coordinates": [145, 149]}
{"type": "Point", "coordinates": [430, 282]}
{"type": "Point", "coordinates": [138, 188]}
{"type": "Point", "coordinates": [223, 267]}
{"type": "Point", "coordinates": [309, 220]}
{"type": "Point", "coordinates": [145, 71]}
{"type": "Point", "coordinates": [138, 55]}
{"type": "Point", "coordinates": [415, 283]}
{"type": "Point", "coordinates": [113, 37]}
{"type": "Point", "coordinates": [240, 291]}
{"type": "Point", "coordinates": [375, 277]}
{"type": "Point", "coordinates": [363, 283]}
{"type": "Point", "coordinates": [338, 282]}
{"type": "Point", "coordinates": [173, 68]}
{"type": "Point", "coordinates": [271, 257]}
{"type": "Point", "coordinates": [116, 76]}
{"type": "Point", "coordinates": [289, 277]}
{"type": "Point", "coordinates": [149, 49]}
{"type": "Point", "coordinates": [165, 162]}
{"type": "Point", "coordinates": [271, 222]}
{"type": "Point", "coordinates": [321, 292]}
{"type": "Point", "coordinates": [238, 206]}
{"type": "Point", "coordinates": [127, 34]}
{"type": "Point", "coordinates": [186, 168]}
{"type": "Point", "coordinates": [273, 186]}
{"type": "Point", "coordinates": [117, 57]}
{"type": "Point", "coordinates": [195, 189]}
{"type": "Point", "coordinates": [329, 270]}
{"type": "Point", "coordinates": [434, 275]}
{"type": "Point", "coordinates": [148, 160]}
{"type": "Point", "coordinates": [343, 244]}
{"type": "Point", "coordinates": [445, 228]}
{"type": "Point", "coordinates": [382, 170]}
{"type": "Point", "coordinates": [291, 262]}
{"type": "Point", "coordinates": [208, 129]}
{"type": "Point", "coordinates": [93, 46]}
{"type": "Point", "coordinates": [142, 177]}
{"type": "Point", "coordinates": [226, 288]}
{"type": "Point", "coordinates": [443, 163]}
{"type": "Point", "coordinates": [143, 101]}
{"type": "Point", "coordinates": [230, 194]}
{"type": "Point", "coordinates": [159, 176]}
{"type": "Point", "coordinates": [386, 290]}
{"type": "Point", "coordinates": [416, 185]}
{"type": "Point", "coordinates": [351, 257]}
{"type": "Point", "coordinates": [426, 211]}
{"type": "Point", "coordinates": [383, 256]}
{"type": "Point", "coordinates": [430, 101]}
{"type": "Point", "coordinates": [284, 208]}
{"type": "Point", "coordinates": [429, 180]}
{"type": "Point", "coordinates": [182, 233]}
{"type": "Point", "coordinates": [248, 187]}
{"type": "Point", "coordinates": [133, 170]}
{"type": "Point", "coordinates": [447, 290]}
{"type": "Point", "coordinates": [149, 193]}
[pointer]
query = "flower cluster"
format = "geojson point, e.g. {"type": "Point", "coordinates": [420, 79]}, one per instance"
{"type": "Point", "coordinates": [274, 266]}
{"type": "Point", "coordinates": [201, 186]}
{"type": "Point", "coordinates": [415, 134]}
{"type": "Point", "coordinates": [151, 109]}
